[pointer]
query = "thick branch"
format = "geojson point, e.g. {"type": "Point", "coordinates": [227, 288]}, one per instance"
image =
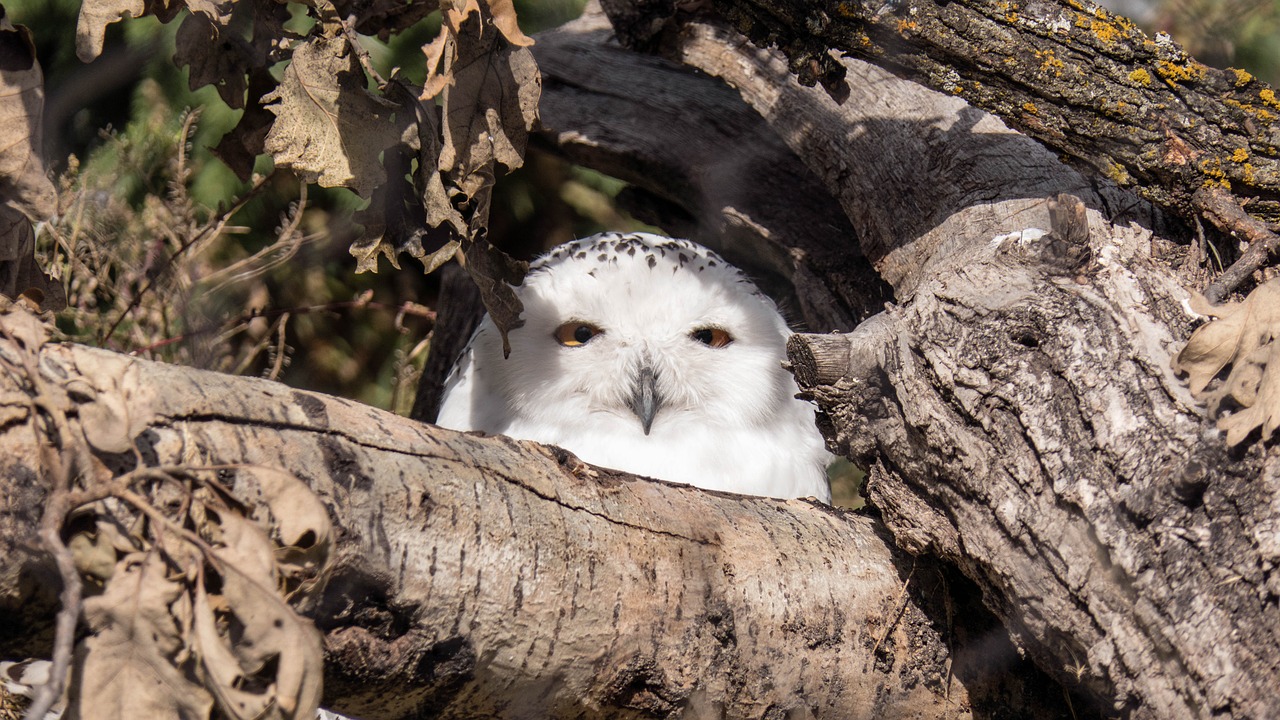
{"type": "Point", "coordinates": [1018, 411]}
{"type": "Point", "coordinates": [1036, 437]}
{"type": "Point", "coordinates": [1085, 82]}
{"type": "Point", "coordinates": [924, 177]}
{"type": "Point", "coordinates": [488, 577]}
{"type": "Point", "coordinates": [689, 141]}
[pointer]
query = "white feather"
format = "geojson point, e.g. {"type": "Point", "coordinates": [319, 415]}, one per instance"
{"type": "Point", "coordinates": [728, 419]}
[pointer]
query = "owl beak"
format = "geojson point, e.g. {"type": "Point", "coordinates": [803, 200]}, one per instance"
{"type": "Point", "coordinates": [645, 401]}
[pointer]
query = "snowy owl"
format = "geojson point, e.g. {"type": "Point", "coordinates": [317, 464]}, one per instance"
{"type": "Point", "coordinates": [650, 355]}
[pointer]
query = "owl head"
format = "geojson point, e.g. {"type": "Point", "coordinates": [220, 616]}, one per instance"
{"type": "Point", "coordinates": [650, 355]}
{"type": "Point", "coordinates": [636, 336]}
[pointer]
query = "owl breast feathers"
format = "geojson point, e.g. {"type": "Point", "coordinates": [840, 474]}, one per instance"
{"type": "Point", "coordinates": [650, 355]}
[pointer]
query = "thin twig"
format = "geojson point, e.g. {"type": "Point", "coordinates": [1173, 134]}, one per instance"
{"type": "Point", "coordinates": [359, 303]}
{"type": "Point", "coordinates": [897, 613]}
{"type": "Point", "coordinates": [1222, 209]}
{"type": "Point", "coordinates": [61, 470]}
{"type": "Point", "coordinates": [287, 242]}
{"type": "Point", "coordinates": [209, 232]}
{"type": "Point", "coordinates": [277, 366]}
{"type": "Point", "coordinates": [69, 614]}
{"type": "Point", "coordinates": [353, 38]}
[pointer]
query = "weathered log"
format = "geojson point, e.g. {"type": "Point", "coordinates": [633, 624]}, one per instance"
{"type": "Point", "coordinates": [1085, 82]}
{"type": "Point", "coordinates": [485, 577]}
{"type": "Point", "coordinates": [1018, 411]}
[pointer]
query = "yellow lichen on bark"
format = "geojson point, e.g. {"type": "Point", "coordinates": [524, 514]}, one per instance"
{"type": "Point", "coordinates": [1261, 114]}
{"type": "Point", "coordinates": [1213, 173]}
{"type": "Point", "coordinates": [1242, 76]}
{"type": "Point", "coordinates": [1190, 72]}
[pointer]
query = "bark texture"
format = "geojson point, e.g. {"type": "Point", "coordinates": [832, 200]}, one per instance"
{"type": "Point", "coordinates": [1085, 82]}
{"type": "Point", "coordinates": [1017, 409]}
{"type": "Point", "coordinates": [485, 577]}
{"type": "Point", "coordinates": [1035, 436]}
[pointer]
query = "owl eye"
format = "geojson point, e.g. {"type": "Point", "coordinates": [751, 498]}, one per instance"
{"type": "Point", "coordinates": [713, 337]}
{"type": "Point", "coordinates": [575, 333]}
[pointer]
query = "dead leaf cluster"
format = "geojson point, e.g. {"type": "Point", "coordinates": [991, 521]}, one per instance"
{"type": "Point", "coordinates": [425, 157]}
{"type": "Point", "coordinates": [1244, 341]}
{"type": "Point", "coordinates": [192, 574]}
{"type": "Point", "coordinates": [26, 193]}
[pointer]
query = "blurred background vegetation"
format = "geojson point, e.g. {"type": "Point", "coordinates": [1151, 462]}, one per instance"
{"type": "Point", "coordinates": [154, 264]}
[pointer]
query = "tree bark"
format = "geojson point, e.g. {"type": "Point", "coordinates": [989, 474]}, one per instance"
{"type": "Point", "coordinates": [1085, 82]}
{"type": "Point", "coordinates": [487, 577]}
{"type": "Point", "coordinates": [1017, 410]}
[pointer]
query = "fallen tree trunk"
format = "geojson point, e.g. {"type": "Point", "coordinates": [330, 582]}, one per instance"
{"type": "Point", "coordinates": [485, 577]}
{"type": "Point", "coordinates": [1018, 410]}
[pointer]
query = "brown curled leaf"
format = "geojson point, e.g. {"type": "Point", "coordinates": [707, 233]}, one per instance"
{"type": "Point", "coordinates": [1244, 342]}
{"type": "Point", "coordinates": [329, 128]}
{"type": "Point", "coordinates": [127, 663]}
{"type": "Point", "coordinates": [1238, 330]}
{"type": "Point", "coordinates": [1263, 394]}
{"type": "Point", "coordinates": [275, 639]}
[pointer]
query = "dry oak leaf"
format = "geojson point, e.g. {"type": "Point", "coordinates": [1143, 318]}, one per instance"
{"type": "Point", "coordinates": [209, 61]}
{"type": "Point", "coordinates": [490, 87]}
{"type": "Point", "coordinates": [1261, 388]}
{"type": "Point", "coordinates": [299, 523]}
{"type": "Point", "coordinates": [115, 403]}
{"type": "Point", "coordinates": [273, 638]}
{"type": "Point", "coordinates": [126, 665]}
{"type": "Point", "coordinates": [26, 329]}
{"type": "Point", "coordinates": [1244, 336]}
{"type": "Point", "coordinates": [217, 10]}
{"type": "Point", "coordinates": [24, 181]}
{"type": "Point", "coordinates": [400, 212]}
{"type": "Point", "coordinates": [96, 15]}
{"type": "Point", "coordinates": [489, 109]}
{"type": "Point", "coordinates": [94, 553]}
{"type": "Point", "coordinates": [20, 274]}
{"type": "Point", "coordinates": [329, 129]}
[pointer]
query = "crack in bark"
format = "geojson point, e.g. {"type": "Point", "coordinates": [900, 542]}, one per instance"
{"type": "Point", "coordinates": [330, 432]}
